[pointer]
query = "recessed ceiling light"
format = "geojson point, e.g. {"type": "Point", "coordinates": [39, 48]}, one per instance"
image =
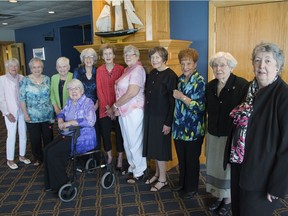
{"type": "Point", "coordinates": [13, 1]}
{"type": "Point", "coordinates": [4, 23]}
{"type": "Point", "coordinates": [51, 12]}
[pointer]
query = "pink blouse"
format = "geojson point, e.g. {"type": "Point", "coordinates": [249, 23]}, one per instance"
{"type": "Point", "coordinates": [134, 75]}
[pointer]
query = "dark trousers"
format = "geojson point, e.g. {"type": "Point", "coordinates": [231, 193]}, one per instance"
{"type": "Point", "coordinates": [106, 126]}
{"type": "Point", "coordinates": [38, 132]}
{"type": "Point", "coordinates": [188, 153]}
{"type": "Point", "coordinates": [249, 203]}
{"type": "Point", "coordinates": [97, 129]}
{"type": "Point", "coordinates": [56, 155]}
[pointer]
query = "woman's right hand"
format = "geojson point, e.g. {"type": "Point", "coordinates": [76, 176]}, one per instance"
{"type": "Point", "coordinates": [27, 118]}
{"type": "Point", "coordinates": [11, 118]}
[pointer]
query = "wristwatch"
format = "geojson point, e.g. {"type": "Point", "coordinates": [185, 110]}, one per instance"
{"type": "Point", "coordinates": [184, 98]}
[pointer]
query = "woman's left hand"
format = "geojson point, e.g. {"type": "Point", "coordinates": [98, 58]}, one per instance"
{"type": "Point", "coordinates": [271, 197]}
{"type": "Point", "coordinates": [177, 94]}
{"type": "Point", "coordinates": [166, 130]}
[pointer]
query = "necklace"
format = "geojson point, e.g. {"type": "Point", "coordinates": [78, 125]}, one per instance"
{"type": "Point", "coordinates": [35, 80]}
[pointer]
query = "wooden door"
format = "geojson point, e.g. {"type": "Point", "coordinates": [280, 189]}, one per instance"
{"type": "Point", "coordinates": [238, 28]}
{"type": "Point", "coordinates": [13, 50]}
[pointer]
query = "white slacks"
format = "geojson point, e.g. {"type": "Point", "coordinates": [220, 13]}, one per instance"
{"type": "Point", "coordinates": [132, 132]}
{"type": "Point", "coordinates": [11, 136]}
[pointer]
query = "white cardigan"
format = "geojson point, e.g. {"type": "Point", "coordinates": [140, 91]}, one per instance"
{"type": "Point", "coordinates": [9, 101]}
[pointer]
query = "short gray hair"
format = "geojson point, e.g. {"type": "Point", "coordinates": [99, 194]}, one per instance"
{"type": "Point", "coordinates": [88, 52]}
{"type": "Point", "coordinates": [75, 83]}
{"type": "Point", "coordinates": [278, 54]}
{"type": "Point", "coordinates": [231, 61]}
{"type": "Point", "coordinates": [131, 48]}
{"type": "Point", "coordinates": [63, 60]}
{"type": "Point", "coordinates": [31, 62]}
{"type": "Point", "coordinates": [12, 61]}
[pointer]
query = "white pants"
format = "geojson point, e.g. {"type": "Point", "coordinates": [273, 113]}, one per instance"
{"type": "Point", "coordinates": [11, 136]}
{"type": "Point", "coordinates": [132, 132]}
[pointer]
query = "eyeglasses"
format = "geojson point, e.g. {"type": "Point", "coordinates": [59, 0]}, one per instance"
{"type": "Point", "coordinates": [74, 89]}
{"type": "Point", "coordinates": [89, 57]}
{"type": "Point", "coordinates": [220, 66]}
{"type": "Point", "coordinates": [129, 55]}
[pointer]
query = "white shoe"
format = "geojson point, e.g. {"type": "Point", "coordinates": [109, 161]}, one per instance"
{"type": "Point", "coordinates": [12, 166]}
{"type": "Point", "coordinates": [25, 161]}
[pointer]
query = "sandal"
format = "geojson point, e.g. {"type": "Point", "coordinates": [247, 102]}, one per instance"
{"type": "Point", "coordinates": [154, 188]}
{"type": "Point", "coordinates": [152, 180]}
{"type": "Point", "coordinates": [133, 180]}
{"type": "Point", "coordinates": [36, 163]}
{"type": "Point", "coordinates": [12, 165]}
{"type": "Point", "coordinates": [24, 160]}
{"type": "Point", "coordinates": [224, 209]}
{"type": "Point", "coordinates": [215, 205]}
{"type": "Point", "coordinates": [125, 172]}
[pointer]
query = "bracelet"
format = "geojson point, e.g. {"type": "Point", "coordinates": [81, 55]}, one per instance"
{"type": "Point", "coordinates": [114, 105]}
{"type": "Point", "coordinates": [184, 98]}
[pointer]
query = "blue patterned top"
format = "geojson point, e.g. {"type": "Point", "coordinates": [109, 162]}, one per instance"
{"type": "Point", "coordinates": [89, 84]}
{"type": "Point", "coordinates": [83, 112]}
{"type": "Point", "coordinates": [37, 99]}
{"type": "Point", "coordinates": [189, 121]}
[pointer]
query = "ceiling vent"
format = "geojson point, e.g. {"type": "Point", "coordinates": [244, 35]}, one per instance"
{"type": "Point", "coordinates": [5, 16]}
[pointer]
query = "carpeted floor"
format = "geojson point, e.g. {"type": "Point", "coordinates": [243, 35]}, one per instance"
{"type": "Point", "coordinates": [21, 193]}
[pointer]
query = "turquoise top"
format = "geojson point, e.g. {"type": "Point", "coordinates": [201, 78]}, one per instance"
{"type": "Point", "coordinates": [37, 99]}
{"type": "Point", "coordinates": [189, 121]}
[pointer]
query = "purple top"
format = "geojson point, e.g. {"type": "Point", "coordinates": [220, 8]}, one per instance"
{"type": "Point", "coordinates": [83, 112]}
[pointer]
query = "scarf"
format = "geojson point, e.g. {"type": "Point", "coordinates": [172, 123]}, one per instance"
{"type": "Point", "coordinates": [241, 115]}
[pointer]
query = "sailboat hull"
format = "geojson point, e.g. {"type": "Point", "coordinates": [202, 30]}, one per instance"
{"type": "Point", "coordinates": [116, 33]}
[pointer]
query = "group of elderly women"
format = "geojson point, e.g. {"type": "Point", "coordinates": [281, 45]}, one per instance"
{"type": "Point", "coordinates": [246, 138]}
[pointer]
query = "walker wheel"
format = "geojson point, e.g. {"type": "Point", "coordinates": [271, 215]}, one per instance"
{"type": "Point", "coordinates": [90, 165]}
{"type": "Point", "coordinates": [107, 180]}
{"type": "Point", "coordinates": [67, 192]}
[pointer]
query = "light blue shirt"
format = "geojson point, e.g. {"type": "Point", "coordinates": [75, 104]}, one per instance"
{"type": "Point", "coordinates": [37, 99]}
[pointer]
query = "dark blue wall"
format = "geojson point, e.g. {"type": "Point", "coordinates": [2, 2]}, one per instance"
{"type": "Point", "coordinates": [34, 37]}
{"type": "Point", "coordinates": [189, 21]}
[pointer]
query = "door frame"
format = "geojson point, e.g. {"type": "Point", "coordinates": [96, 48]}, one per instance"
{"type": "Point", "coordinates": [213, 5]}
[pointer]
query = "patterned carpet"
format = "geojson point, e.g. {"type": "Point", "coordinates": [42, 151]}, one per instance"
{"type": "Point", "coordinates": [22, 194]}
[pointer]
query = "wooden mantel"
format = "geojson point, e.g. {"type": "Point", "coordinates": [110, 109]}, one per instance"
{"type": "Point", "coordinates": [173, 47]}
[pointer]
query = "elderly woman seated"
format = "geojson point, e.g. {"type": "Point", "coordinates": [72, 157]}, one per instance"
{"type": "Point", "coordinates": [78, 111]}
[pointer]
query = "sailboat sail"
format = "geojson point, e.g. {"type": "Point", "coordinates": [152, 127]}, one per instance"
{"type": "Point", "coordinates": [104, 20]}
{"type": "Point", "coordinates": [118, 15]}
{"type": "Point", "coordinates": [130, 14]}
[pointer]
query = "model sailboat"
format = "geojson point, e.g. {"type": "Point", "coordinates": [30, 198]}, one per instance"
{"type": "Point", "coordinates": [104, 21]}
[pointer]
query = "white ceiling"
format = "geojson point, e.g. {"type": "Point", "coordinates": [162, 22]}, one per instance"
{"type": "Point", "coordinates": [32, 13]}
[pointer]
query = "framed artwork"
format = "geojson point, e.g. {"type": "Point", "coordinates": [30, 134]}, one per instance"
{"type": "Point", "coordinates": [39, 53]}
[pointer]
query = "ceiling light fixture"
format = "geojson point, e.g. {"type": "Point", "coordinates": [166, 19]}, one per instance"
{"type": "Point", "coordinates": [51, 12]}
{"type": "Point", "coordinates": [13, 1]}
{"type": "Point", "coordinates": [4, 23]}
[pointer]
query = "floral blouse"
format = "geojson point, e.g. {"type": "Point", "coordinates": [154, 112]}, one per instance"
{"type": "Point", "coordinates": [189, 121]}
{"type": "Point", "coordinates": [37, 99]}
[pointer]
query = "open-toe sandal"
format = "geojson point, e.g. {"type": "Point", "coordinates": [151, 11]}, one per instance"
{"type": "Point", "coordinates": [133, 180]}
{"type": "Point", "coordinates": [152, 179]}
{"type": "Point", "coordinates": [224, 209]}
{"type": "Point", "coordinates": [125, 172]}
{"type": "Point", "coordinates": [158, 186]}
{"type": "Point", "coordinates": [215, 205]}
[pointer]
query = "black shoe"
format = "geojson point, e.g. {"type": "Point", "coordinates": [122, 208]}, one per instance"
{"type": "Point", "coordinates": [224, 209]}
{"type": "Point", "coordinates": [215, 205]}
{"type": "Point", "coordinates": [177, 189]}
{"type": "Point", "coordinates": [47, 189]}
{"type": "Point", "coordinates": [189, 195]}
